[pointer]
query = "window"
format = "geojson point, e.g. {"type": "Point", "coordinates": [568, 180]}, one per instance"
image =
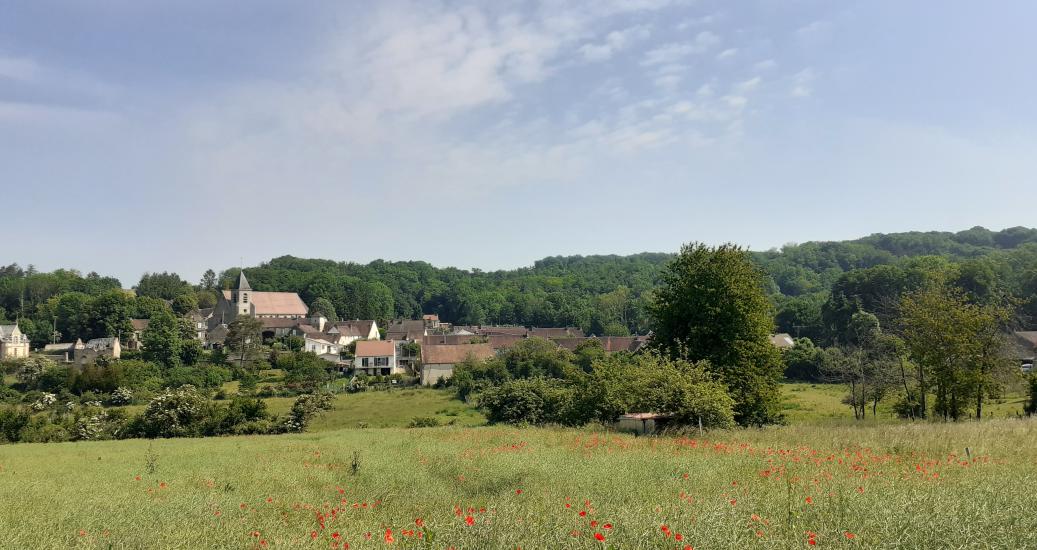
{"type": "Point", "coordinates": [363, 362]}
{"type": "Point", "coordinates": [244, 298]}
{"type": "Point", "coordinates": [381, 361]}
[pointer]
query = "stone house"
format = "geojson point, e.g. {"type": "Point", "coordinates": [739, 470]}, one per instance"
{"type": "Point", "coordinates": [438, 360]}
{"type": "Point", "coordinates": [13, 343]}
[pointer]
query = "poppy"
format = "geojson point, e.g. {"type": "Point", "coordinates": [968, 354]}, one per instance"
{"type": "Point", "coordinates": [850, 535]}
{"type": "Point", "coordinates": [419, 522]}
{"type": "Point", "coordinates": [600, 537]}
{"type": "Point", "coordinates": [594, 523]}
{"type": "Point", "coordinates": [518, 491]}
{"type": "Point", "coordinates": [313, 534]}
{"type": "Point", "coordinates": [388, 537]}
{"type": "Point", "coordinates": [607, 526]}
{"type": "Point", "coordinates": [583, 513]}
{"type": "Point", "coordinates": [810, 500]}
{"type": "Point", "coordinates": [336, 535]}
{"type": "Point", "coordinates": [269, 500]}
{"type": "Point", "coordinates": [162, 485]}
{"type": "Point", "coordinates": [469, 520]}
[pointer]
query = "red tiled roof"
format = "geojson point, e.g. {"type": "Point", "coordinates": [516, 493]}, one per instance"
{"type": "Point", "coordinates": [274, 303]}
{"type": "Point", "coordinates": [375, 348]}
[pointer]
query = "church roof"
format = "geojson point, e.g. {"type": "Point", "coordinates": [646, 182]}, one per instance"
{"type": "Point", "coordinates": [274, 303]}
{"type": "Point", "coordinates": [243, 282]}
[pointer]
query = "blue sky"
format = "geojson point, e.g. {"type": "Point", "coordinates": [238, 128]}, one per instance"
{"type": "Point", "coordinates": [184, 135]}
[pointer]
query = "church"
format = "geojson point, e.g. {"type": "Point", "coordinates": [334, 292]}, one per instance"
{"type": "Point", "coordinates": [261, 305]}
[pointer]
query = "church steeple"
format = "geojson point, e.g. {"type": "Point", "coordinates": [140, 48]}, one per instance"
{"type": "Point", "coordinates": [243, 295]}
{"type": "Point", "coordinates": [242, 281]}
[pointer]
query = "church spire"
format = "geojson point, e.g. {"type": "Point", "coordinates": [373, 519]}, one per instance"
{"type": "Point", "coordinates": [243, 282]}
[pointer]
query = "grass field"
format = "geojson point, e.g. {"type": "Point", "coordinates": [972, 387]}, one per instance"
{"type": "Point", "coordinates": [903, 486]}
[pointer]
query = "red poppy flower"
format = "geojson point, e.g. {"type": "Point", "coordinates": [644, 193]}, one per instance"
{"type": "Point", "coordinates": [137, 478]}
{"type": "Point", "coordinates": [734, 502]}
{"type": "Point", "coordinates": [600, 537]}
{"type": "Point", "coordinates": [82, 533]}
{"type": "Point", "coordinates": [269, 500]}
{"type": "Point", "coordinates": [336, 535]}
{"type": "Point", "coordinates": [678, 537]}
{"type": "Point", "coordinates": [810, 500]}
{"type": "Point", "coordinates": [419, 522]}
{"type": "Point", "coordinates": [518, 491]}
{"type": "Point", "coordinates": [162, 485]}
{"type": "Point", "coordinates": [607, 526]}
{"type": "Point", "coordinates": [388, 537]}
{"type": "Point", "coordinates": [313, 534]}
{"type": "Point", "coordinates": [583, 513]}
{"type": "Point", "coordinates": [469, 520]}
{"type": "Point", "coordinates": [594, 523]}
{"type": "Point", "coordinates": [849, 535]}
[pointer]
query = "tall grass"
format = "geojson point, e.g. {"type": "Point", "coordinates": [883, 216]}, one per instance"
{"type": "Point", "coordinates": [896, 486]}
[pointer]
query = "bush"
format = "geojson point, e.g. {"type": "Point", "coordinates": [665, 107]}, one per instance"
{"type": "Point", "coordinates": [1031, 406]}
{"type": "Point", "coordinates": [424, 422]}
{"type": "Point", "coordinates": [534, 401]}
{"type": "Point", "coordinates": [175, 413]}
{"type": "Point", "coordinates": [305, 408]}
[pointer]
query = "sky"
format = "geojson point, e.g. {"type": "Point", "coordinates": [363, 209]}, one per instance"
{"type": "Point", "coordinates": [180, 136]}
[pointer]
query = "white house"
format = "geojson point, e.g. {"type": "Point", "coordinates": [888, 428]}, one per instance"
{"type": "Point", "coordinates": [13, 344]}
{"type": "Point", "coordinates": [376, 357]}
{"type": "Point", "coordinates": [344, 333]}
{"type": "Point", "coordinates": [320, 345]}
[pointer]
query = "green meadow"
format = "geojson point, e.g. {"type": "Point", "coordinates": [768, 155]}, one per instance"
{"type": "Point", "coordinates": [888, 484]}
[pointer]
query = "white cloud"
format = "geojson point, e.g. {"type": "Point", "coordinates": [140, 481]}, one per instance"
{"type": "Point", "coordinates": [18, 68]}
{"type": "Point", "coordinates": [614, 42]}
{"type": "Point", "coordinates": [727, 54]}
{"type": "Point", "coordinates": [802, 83]}
{"type": "Point", "coordinates": [674, 52]}
{"type": "Point", "coordinates": [698, 22]}
{"type": "Point", "coordinates": [766, 65]}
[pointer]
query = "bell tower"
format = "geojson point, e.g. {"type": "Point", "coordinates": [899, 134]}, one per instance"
{"type": "Point", "coordinates": [243, 296]}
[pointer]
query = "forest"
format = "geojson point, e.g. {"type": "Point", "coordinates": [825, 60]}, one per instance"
{"type": "Point", "coordinates": [815, 287]}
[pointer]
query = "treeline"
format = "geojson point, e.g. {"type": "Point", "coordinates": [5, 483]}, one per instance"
{"type": "Point", "coordinates": [814, 286]}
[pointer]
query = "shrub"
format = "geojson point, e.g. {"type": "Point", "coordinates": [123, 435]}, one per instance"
{"type": "Point", "coordinates": [1031, 406]}
{"type": "Point", "coordinates": [305, 408]}
{"type": "Point", "coordinates": [424, 422]}
{"type": "Point", "coordinates": [175, 413]}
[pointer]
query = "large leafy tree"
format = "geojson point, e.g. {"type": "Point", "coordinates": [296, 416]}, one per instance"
{"type": "Point", "coordinates": [712, 307]}
{"type": "Point", "coordinates": [244, 338]}
{"type": "Point", "coordinates": [163, 340]}
{"type": "Point", "coordinates": [166, 286]}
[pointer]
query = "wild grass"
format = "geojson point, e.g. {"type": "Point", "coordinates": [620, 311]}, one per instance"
{"type": "Point", "coordinates": [891, 486]}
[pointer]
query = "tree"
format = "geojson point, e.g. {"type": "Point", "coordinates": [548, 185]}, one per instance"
{"type": "Point", "coordinates": [323, 306]}
{"type": "Point", "coordinates": [208, 281]}
{"type": "Point", "coordinates": [162, 340]}
{"type": "Point", "coordinates": [185, 303]}
{"type": "Point", "coordinates": [165, 286]}
{"type": "Point", "coordinates": [958, 346]}
{"type": "Point", "coordinates": [711, 306]}
{"type": "Point", "coordinates": [244, 337]}
{"type": "Point", "coordinates": [866, 362]}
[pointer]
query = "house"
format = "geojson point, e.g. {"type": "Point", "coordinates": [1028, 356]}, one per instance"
{"type": "Point", "coordinates": [13, 343]}
{"type": "Point", "coordinates": [89, 352]}
{"type": "Point", "coordinates": [199, 319]}
{"type": "Point", "coordinates": [320, 345]}
{"type": "Point", "coordinates": [411, 330]}
{"type": "Point", "coordinates": [549, 333]}
{"type": "Point", "coordinates": [611, 344]}
{"type": "Point", "coordinates": [135, 341]}
{"type": "Point", "coordinates": [431, 321]}
{"type": "Point", "coordinates": [782, 340]}
{"type": "Point", "coordinates": [1026, 346]}
{"type": "Point", "coordinates": [376, 357]}
{"type": "Point", "coordinates": [61, 353]}
{"type": "Point", "coordinates": [346, 332]}
{"type": "Point", "coordinates": [438, 360]}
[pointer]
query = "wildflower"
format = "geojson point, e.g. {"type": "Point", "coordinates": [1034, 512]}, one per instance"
{"type": "Point", "coordinates": [583, 513]}
{"type": "Point", "coordinates": [759, 533]}
{"type": "Point", "coordinates": [336, 535]}
{"type": "Point", "coordinates": [600, 537]}
{"type": "Point", "coordinates": [810, 500]}
{"type": "Point", "coordinates": [162, 485]}
{"type": "Point", "coordinates": [262, 542]}
{"type": "Point", "coordinates": [754, 517]}
{"type": "Point", "coordinates": [313, 534]}
{"type": "Point", "coordinates": [594, 523]}
{"type": "Point", "coordinates": [567, 505]}
{"type": "Point", "coordinates": [850, 535]}
{"type": "Point", "coordinates": [82, 533]}
{"type": "Point", "coordinates": [419, 522]}
{"type": "Point", "coordinates": [518, 491]}
{"type": "Point", "coordinates": [469, 520]}
{"type": "Point", "coordinates": [217, 513]}
{"type": "Point", "coordinates": [388, 537]}
{"type": "Point", "coordinates": [254, 534]}
{"type": "Point", "coordinates": [137, 478]}
{"type": "Point", "coordinates": [269, 500]}
{"type": "Point", "coordinates": [734, 502]}
{"type": "Point", "coordinates": [607, 526]}
{"type": "Point", "coordinates": [678, 537]}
